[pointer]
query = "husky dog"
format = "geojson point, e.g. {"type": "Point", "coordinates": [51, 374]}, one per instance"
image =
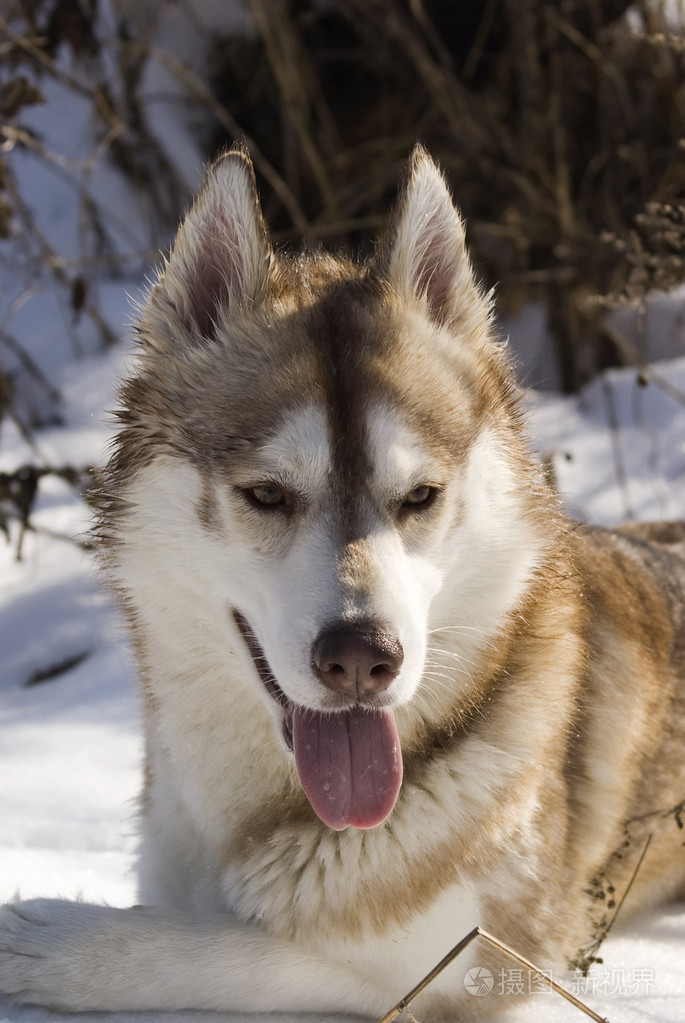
{"type": "Point", "coordinates": [390, 692]}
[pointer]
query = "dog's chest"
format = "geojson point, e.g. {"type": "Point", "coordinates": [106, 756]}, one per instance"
{"type": "Point", "coordinates": [402, 956]}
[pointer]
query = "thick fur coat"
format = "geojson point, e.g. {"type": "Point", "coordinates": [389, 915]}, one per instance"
{"type": "Point", "coordinates": [390, 691]}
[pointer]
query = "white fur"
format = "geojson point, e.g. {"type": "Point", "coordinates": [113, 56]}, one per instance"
{"type": "Point", "coordinates": [413, 951]}
{"type": "Point", "coordinates": [496, 549]}
{"type": "Point", "coordinates": [298, 454]}
{"type": "Point", "coordinates": [77, 957]}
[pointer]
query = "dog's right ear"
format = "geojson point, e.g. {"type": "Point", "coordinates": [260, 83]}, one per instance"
{"type": "Point", "coordinates": [222, 253]}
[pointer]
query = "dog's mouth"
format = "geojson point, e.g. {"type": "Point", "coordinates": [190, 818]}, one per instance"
{"type": "Point", "coordinates": [267, 677]}
{"type": "Point", "coordinates": [349, 761]}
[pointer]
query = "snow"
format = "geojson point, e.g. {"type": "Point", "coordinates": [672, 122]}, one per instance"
{"type": "Point", "coordinates": [618, 449]}
{"type": "Point", "coordinates": [70, 746]}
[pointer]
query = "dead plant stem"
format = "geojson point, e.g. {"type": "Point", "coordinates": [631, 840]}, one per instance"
{"type": "Point", "coordinates": [234, 129]}
{"type": "Point", "coordinates": [478, 932]}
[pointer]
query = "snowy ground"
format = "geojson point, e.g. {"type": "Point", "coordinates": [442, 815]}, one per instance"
{"type": "Point", "coordinates": [70, 747]}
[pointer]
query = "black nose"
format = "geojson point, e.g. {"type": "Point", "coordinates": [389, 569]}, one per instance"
{"type": "Point", "coordinates": [357, 661]}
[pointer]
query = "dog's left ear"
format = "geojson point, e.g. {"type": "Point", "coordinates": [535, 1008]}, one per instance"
{"type": "Point", "coordinates": [221, 256]}
{"type": "Point", "coordinates": [423, 256]}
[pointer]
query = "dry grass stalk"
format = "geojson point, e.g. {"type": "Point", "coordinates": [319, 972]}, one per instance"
{"type": "Point", "coordinates": [587, 956]}
{"type": "Point", "coordinates": [202, 93]}
{"type": "Point", "coordinates": [638, 835]}
{"type": "Point", "coordinates": [478, 932]}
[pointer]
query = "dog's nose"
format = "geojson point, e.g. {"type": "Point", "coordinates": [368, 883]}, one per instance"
{"type": "Point", "coordinates": [357, 662]}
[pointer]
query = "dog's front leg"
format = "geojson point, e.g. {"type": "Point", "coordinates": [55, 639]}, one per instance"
{"type": "Point", "coordinates": [74, 957]}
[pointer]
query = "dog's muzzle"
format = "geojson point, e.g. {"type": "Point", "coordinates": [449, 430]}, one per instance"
{"type": "Point", "coordinates": [348, 760]}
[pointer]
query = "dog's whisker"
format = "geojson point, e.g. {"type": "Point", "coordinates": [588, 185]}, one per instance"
{"type": "Point", "coordinates": [457, 629]}
{"type": "Point", "coordinates": [460, 662]}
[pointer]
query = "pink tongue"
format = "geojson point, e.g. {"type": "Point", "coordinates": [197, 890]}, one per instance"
{"type": "Point", "coordinates": [350, 764]}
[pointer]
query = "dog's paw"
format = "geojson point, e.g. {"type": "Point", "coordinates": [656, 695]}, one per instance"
{"type": "Point", "coordinates": [52, 953]}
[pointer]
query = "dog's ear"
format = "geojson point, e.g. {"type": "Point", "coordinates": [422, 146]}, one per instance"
{"type": "Point", "coordinates": [423, 255]}
{"type": "Point", "coordinates": [221, 256]}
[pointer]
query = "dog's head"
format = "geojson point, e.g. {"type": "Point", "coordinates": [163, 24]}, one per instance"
{"type": "Point", "coordinates": [337, 470]}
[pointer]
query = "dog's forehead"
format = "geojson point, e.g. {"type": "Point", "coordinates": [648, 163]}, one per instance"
{"type": "Point", "coordinates": [368, 398]}
{"type": "Point", "coordinates": [299, 449]}
{"type": "Point", "coordinates": [303, 447]}
{"type": "Point", "coordinates": [327, 386]}
{"type": "Point", "coordinates": [394, 382]}
{"type": "Point", "coordinates": [399, 456]}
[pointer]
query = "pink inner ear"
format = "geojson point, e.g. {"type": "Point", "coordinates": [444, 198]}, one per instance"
{"type": "Point", "coordinates": [206, 298]}
{"type": "Point", "coordinates": [437, 263]}
{"type": "Point", "coordinates": [217, 272]}
{"type": "Point", "coordinates": [220, 271]}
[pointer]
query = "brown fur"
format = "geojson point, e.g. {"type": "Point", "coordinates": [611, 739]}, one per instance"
{"type": "Point", "coordinates": [541, 720]}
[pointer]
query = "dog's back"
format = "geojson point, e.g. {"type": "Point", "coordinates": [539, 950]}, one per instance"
{"type": "Point", "coordinates": [630, 764]}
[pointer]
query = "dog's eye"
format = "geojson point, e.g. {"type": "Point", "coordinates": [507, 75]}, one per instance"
{"type": "Point", "coordinates": [419, 498]}
{"type": "Point", "coordinates": [267, 496]}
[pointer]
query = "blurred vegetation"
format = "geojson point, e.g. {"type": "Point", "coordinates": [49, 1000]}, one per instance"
{"type": "Point", "coordinates": [560, 125]}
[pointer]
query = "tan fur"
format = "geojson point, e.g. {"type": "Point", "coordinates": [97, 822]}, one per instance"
{"type": "Point", "coordinates": [539, 701]}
